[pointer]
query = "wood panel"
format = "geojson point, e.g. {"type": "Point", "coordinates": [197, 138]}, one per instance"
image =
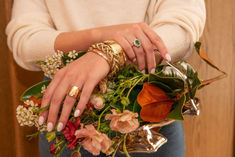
{"type": "Point", "coordinates": [212, 134]}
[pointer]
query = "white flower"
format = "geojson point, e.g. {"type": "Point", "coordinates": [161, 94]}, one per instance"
{"type": "Point", "coordinates": [52, 64]}
{"type": "Point", "coordinates": [43, 89]}
{"type": "Point", "coordinates": [26, 116]}
{"type": "Point", "coordinates": [73, 54]}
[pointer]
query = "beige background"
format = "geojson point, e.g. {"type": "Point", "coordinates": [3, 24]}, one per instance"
{"type": "Point", "coordinates": [210, 135]}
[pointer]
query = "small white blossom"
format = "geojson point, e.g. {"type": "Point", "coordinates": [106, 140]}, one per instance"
{"type": "Point", "coordinates": [25, 115]}
{"type": "Point", "coordinates": [72, 54]}
{"type": "Point", "coordinates": [43, 89]}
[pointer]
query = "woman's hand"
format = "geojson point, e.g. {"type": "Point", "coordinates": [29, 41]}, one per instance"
{"type": "Point", "coordinates": [86, 72]}
{"type": "Point", "coordinates": [144, 54]}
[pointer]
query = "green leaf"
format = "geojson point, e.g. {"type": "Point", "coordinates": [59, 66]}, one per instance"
{"type": "Point", "coordinates": [176, 114]}
{"type": "Point", "coordinates": [172, 82]}
{"type": "Point", "coordinates": [163, 86]}
{"type": "Point", "coordinates": [34, 90]}
{"type": "Point", "coordinates": [137, 109]}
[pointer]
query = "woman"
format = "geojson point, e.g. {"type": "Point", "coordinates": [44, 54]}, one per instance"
{"type": "Point", "coordinates": [40, 27]}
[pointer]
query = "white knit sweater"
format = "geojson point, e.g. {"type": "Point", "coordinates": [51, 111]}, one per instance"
{"type": "Point", "coordinates": [36, 23]}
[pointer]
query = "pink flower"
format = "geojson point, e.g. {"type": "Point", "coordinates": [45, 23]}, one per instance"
{"type": "Point", "coordinates": [97, 101]}
{"type": "Point", "coordinates": [94, 141]}
{"type": "Point", "coordinates": [69, 132]}
{"type": "Point", "coordinates": [123, 122]}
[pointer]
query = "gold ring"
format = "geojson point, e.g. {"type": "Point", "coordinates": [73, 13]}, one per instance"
{"type": "Point", "coordinates": [74, 92]}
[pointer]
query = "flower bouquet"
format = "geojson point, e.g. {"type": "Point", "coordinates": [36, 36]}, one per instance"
{"type": "Point", "coordinates": [125, 112]}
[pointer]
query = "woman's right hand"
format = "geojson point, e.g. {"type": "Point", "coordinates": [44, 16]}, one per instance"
{"type": "Point", "coordinates": [144, 55]}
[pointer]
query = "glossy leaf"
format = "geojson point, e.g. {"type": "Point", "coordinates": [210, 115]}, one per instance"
{"type": "Point", "coordinates": [34, 90]}
{"type": "Point", "coordinates": [176, 113]}
{"type": "Point", "coordinates": [172, 82]}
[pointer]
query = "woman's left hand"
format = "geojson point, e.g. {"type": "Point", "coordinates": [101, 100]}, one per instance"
{"type": "Point", "coordinates": [85, 73]}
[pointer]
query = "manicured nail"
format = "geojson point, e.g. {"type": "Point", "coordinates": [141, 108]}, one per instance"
{"type": "Point", "coordinates": [60, 126]}
{"type": "Point", "coordinates": [134, 60]}
{"type": "Point", "coordinates": [143, 71]}
{"type": "Point", "coordinates": [152, 71]}
{"type": "Point", "coordinates": [40, 120]}
{"type": "Point", "coordinates": [76, 113]}
{"type": "Point", "coordinates": [49, 127]}
{"type": "Point", "coordinates": [168, 57]}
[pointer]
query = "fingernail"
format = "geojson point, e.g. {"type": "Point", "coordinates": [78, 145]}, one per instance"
{"type": "Point", "coordinates": [49, 127]}
{"type": "Point", "coordinates": [152, 71]}
{"type": "Point", "coordinates": [134, 60]}
{"type": "Point", "coordinates": [76, 113]}
{"type": "Point", "coordinates": [60, 126]}
{"type": "Point", "coordinates": [143, 71]}
{"type": "Point", "coordinates": [168, 57]}
{"type": "Point", "coordinates": [40, 120]}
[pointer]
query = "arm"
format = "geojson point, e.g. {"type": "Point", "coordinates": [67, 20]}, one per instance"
{"type": "Point", "coordinates": [179, 23]}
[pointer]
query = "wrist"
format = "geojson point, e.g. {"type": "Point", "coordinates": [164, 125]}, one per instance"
{"type": "Point", "coordinates": [96, 35]}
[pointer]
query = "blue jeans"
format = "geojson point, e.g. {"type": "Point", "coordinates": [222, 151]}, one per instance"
{"type": "Point", "coordinates": [175, 146]}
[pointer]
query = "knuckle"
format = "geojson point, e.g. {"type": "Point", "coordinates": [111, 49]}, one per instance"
{"type": "Point", "coordinates": [58, 73]}
{"type": "Point", "coordinates": [127, 48]}
{"type": "Point", "coordinates": [136, 26]}
{"type": "Point", "coordinates": [143, 24]}
{"type": "Point", "coordinates": [55, 101]}
{"type": "Point", "coordinates": [117, 35]}
{"type": "Point", "coordinates": [70, 101]}
{"type": "Point", "coordinates": [140, 53]}
{"type": "Point", "coordinates": [46, 95]}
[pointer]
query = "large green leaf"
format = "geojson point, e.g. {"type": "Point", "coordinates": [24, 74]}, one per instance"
{"type": "Point", "coordinates": [163, 86]}
{"type": "Point", "coordinates": [172, 82]}
{"type": "Point", "coordinates": [34, 90]}
{"type": "Point", "coordinates": [176, 113]}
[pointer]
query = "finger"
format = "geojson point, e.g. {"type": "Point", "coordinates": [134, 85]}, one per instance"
{"type": "Point", "coordinates": [48, 94]}
{"type": "Point", "coordinates": [148, 48]}
{"type": "Point", "coordinates": [56, 101]}
{"type": "Point", "coordinates": [87, 89]}
{"type": "Point", "coordinates": [140, 55]}
{"type": "Point", "coordinates": [126, 46]}
{"type": "Point", "coordinates": [67, 108]}
{"type": "Point", "coordinates": [139, 51]}
{"type": "Point", "coordinates": [156, 40]}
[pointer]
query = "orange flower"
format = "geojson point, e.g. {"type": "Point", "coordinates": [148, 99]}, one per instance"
{"type": "Point", "coordinates": [155, 103]}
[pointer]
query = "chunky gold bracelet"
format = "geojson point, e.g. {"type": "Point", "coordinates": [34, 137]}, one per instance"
{"type": "Point", "coordinates": [112, 52]}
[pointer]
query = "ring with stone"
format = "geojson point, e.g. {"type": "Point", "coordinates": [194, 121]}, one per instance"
{"type": "Point", "coordinates": [136, 43]}
{"type": "Point", "coordinates": [74, 92]}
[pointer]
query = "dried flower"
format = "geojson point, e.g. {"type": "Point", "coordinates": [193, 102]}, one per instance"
{"type": "Point", "coordinates": [123, 122]}
{"type": "Point", "coordinates": [94, 141]}
{"type": "Point", "coordinates": [155, 103]}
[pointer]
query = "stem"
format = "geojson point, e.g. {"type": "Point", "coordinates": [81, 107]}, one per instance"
{"type": "Point", "coordinates": [134, 85]}
{"type": "Point", "coordinates": [98, 128]}
{"type": "Point", "coordinates": [124, 146]}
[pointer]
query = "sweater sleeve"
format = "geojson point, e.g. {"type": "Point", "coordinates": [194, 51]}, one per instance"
{"type": "Point", "coordinates": [30, 33]}
{"type": "Point", "coordinates": [179, 23]}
